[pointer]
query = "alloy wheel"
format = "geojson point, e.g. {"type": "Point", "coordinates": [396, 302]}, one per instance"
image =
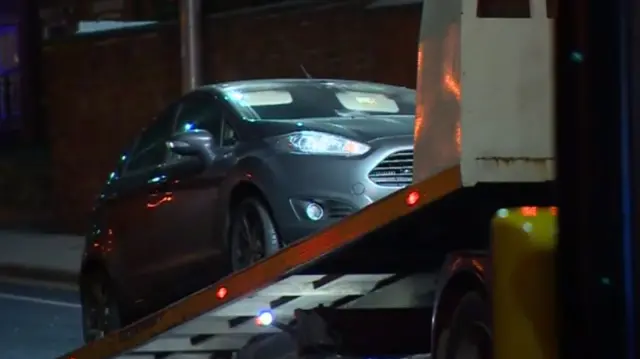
{"type": "Point", "coordinates": [249, 238]}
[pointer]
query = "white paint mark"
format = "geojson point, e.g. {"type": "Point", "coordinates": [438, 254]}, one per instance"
{"type": "Point", "coordinates": [23, 298]}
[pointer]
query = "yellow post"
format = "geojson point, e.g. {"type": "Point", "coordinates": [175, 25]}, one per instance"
{"type": "Point", "coordinates": [523, 283]}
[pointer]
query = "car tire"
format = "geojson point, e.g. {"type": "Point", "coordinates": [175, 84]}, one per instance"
{"type": "Point", "coordinates": [469, 336]}
{"type": "Point", "coordinates": [101, 311]}
{"type": "Point", "coordinates": [252, 234]}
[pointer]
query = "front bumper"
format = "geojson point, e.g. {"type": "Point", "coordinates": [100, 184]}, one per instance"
{"type": "Point", "coordinates": [340, 185]}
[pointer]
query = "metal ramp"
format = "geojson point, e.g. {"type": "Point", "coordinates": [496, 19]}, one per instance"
{"type": "Point", "coordinates": [232, 326]}
{"type": "Point", "coordinates": [220, 318]}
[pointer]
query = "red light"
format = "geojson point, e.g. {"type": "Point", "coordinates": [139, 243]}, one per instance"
{"type": "Point", "coordinates": [529, 211]}
{"type": "Point", "coordinates": [221, 293]}
{"type": "Point", "coordinates": [413, 198]}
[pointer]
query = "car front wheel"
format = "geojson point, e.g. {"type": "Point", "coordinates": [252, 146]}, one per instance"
{"type": "Point", "coordinates": [252, 233]}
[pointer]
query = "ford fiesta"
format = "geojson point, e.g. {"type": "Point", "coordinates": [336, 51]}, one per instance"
{"type": "Point", "coordinates": [230, 173]}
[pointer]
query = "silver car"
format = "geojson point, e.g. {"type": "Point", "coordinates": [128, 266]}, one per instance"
{"type": "Point", "coordinates": [229, 174]}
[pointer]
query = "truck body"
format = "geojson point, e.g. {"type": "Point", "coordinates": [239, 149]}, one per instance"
{"type": "Point", "coordinates": [411, 274]}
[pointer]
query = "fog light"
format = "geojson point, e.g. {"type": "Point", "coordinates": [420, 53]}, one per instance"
{"type": "Point", "coordinates": [314, 211]}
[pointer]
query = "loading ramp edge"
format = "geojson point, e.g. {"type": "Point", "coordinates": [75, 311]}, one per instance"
{"type": "Point", "coordinates": [276, 270]}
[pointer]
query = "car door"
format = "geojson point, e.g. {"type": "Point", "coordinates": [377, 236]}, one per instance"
{"type": "Point", "coordinates": [143, 250]}
{"type": "Point", "coordinates": [194, 197]}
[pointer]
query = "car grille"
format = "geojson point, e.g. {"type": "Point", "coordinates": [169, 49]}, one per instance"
{"type": "Point", "coordinates": [394, 171]}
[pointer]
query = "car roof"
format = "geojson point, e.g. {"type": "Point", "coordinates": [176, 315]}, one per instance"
{"type": "Point", "coordinates": [247, 84]}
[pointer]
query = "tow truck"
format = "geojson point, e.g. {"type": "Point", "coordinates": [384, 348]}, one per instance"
{"type": "Point", "coordinates": [410, 275]}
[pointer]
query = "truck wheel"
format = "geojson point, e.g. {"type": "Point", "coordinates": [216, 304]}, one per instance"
{"type": "Point", "coordinates": [443, 339]}
{"type": "Point", "coordinates": [470, 334]}
{"type": "Point", "coordinates": [252, 234]}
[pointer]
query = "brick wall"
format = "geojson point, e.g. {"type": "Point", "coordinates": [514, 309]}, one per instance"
{"type": "Point", "coordinates": [25, 185]}
{"type": "Point", "coordinates": [99, 91]}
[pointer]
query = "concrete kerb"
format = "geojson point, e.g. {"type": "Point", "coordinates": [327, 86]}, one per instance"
{"type": "Point", "coordinates": [38, 257]}
{"type": "Point", "coordinates": [9, 272]}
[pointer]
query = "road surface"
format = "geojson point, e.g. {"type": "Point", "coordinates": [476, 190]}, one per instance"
{"type": "Point", "coordinates": [37, 321]}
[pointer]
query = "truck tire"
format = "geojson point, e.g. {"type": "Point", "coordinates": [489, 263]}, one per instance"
{"type": "Point", "coordinates": [441, 348]}
{"type": "Point", "coordinates": [469, 336]}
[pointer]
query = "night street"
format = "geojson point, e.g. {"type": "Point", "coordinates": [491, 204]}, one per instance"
{"type": "Point", "coordinates": [37, 322]}
{"type": "Point", "coordinates": [298, 179]}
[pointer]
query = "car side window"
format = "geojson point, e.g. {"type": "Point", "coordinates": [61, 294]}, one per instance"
{"type": "Point", "coordinates": [150, 149]}
{"type": "Point", "coordinates": [229, 137]}
{"type": "Point", "coordinates": [201, 111]}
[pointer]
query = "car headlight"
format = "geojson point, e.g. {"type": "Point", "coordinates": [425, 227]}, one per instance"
{"type": "Point", "coordinates": [319, 143]}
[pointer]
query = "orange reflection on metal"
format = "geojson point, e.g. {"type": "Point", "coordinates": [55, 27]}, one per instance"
{"type": "Point", "coordinates": [458, 137]}
{"type": "Point", "coordinates": [477, 265]}
{"type": "Point", "coordinates": [168, 197]}
{"type": "Point", "coordinates": [452, 85]}
{"type": "Point", "coordinates": [451, 76]}
{"type": "Point", "coordinates": [451, 62]}
{"type": "Point", "coordinates": [456, 264]}
{"type": "Point", "coordinates": [419, 121]}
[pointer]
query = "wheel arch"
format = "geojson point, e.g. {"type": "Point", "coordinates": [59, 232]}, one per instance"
{"type": "Point", "coordinates": [244, 189]}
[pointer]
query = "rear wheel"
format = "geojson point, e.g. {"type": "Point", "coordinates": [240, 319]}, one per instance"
{"type": "Point", "coordinates": [469, 336]}
{"type": "Point", "coordinates": [101, 313]}
{"type": "Point", "coordinates": [252, 233]}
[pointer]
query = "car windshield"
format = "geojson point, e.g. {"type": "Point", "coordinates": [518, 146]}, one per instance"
{"type": "Point", "coordinates": [314, 99]}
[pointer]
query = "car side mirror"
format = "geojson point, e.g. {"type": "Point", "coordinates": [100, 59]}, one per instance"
{"type": "Point", "coordinates": [193, 143]}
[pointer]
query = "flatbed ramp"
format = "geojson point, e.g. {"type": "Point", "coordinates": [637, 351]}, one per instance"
{"type": "Point", "coordinates": [220, 318]}
{"type": "Point", "coordinates": [230, 327]}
